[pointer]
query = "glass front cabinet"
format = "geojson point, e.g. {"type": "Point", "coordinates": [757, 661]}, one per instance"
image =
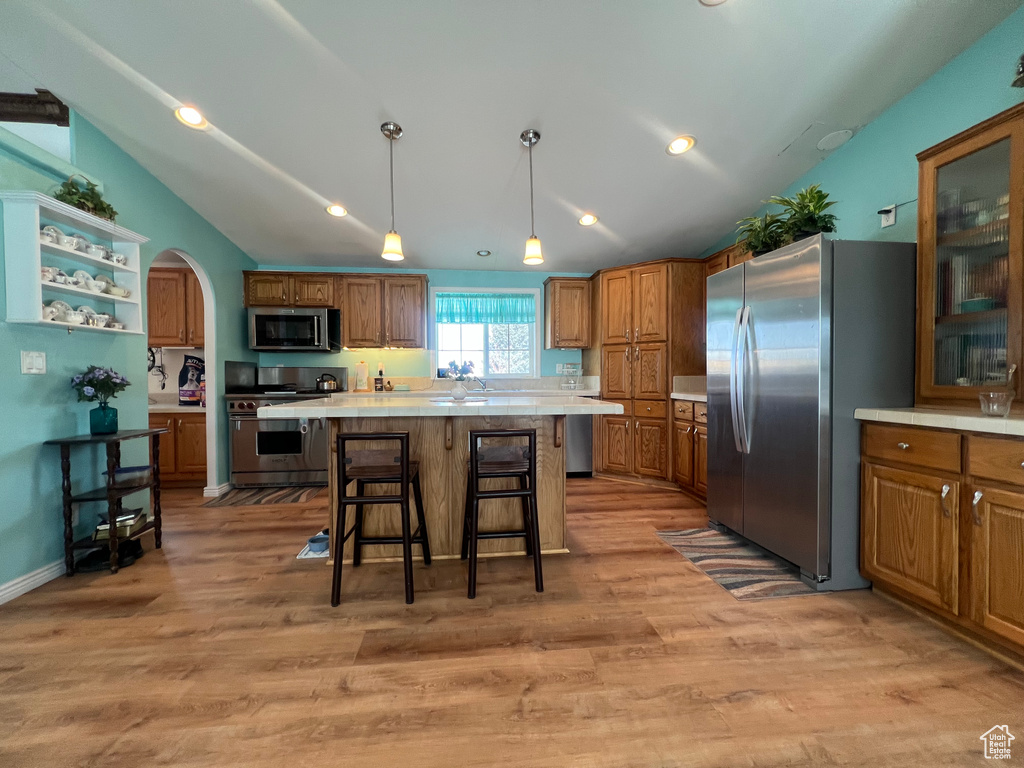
{"type": "Point", "coordinates": [970, 228]}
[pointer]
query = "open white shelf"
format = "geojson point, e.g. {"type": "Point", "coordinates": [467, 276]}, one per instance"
{"type": "Point", "coordinates": [84, 258]}
{"type": "Point", "coordinates": [76, 291]}
{"type": "Point", "coordinates": [24, 215]}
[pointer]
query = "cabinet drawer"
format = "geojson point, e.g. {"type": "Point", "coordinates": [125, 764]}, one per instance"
{"type": "Point", "coordinates": [996, 459]}
{"type": "Point", "coordinates": [913, 445]}
{"type": "Point", "coordinates": [700, 413]}
{"type": "Point", "coordinates": [650, 409]}
{"type": "Point", "coordinates": [627, 405]}
{"type": "Point", "coordinates": [682, 410]}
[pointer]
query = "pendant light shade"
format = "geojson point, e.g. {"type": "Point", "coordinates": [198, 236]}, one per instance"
{"type": "Point", "coordinates": [533, 254]}
{"type": "Point", "coordinates": [392, 240]}
{"type": "Point", "coordinates": [392, 247]}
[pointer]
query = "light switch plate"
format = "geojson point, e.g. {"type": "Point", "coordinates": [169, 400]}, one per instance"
{"type": "Point", "coordinates": [33, 362]}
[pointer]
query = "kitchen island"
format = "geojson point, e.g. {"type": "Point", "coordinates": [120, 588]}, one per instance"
{"type": "Point", "coordinates": [438, 430]}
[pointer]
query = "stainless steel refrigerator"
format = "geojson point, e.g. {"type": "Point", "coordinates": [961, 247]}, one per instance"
{"type": "Point", "coordinates": [797, 340]}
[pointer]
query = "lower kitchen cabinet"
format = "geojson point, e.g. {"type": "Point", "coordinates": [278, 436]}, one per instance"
{"type": "Point", "coordinates": [183, 448]}
{"type": "Point", "coordinates": [690, 447]}
{"type": "Point", "coordinates": [700, 460]}
{"type": "Point", "coordinates": [909, 532]}
{"type": "Point", "coordinates": [617, 444]}
{"type": "Point", "coordinates": [650, 451]}
{"type": "Point", "coordinates": [997, 561]}
{"type": "Point", "coordinates": [683, 470]}
{"type": "Point", "coordinates": [952, 539]}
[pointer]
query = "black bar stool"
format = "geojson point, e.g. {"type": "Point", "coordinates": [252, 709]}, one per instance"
{"type": "Point", "coordinates": [515, 461]}
{"type": "Point", "coordinates": [377, 467]}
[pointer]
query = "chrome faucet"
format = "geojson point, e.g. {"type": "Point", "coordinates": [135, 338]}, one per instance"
{"type": "Point", "coordinates": [483, 384]}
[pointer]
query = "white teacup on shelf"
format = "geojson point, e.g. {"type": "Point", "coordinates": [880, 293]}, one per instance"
{"type": "Point", "coordinates": [81, 244]}
{"type": "Point", "coordinates": [94, 249]}
{"type": "Point", "coordinates": [117, 290]}
{"type": "Point", "coordinates": [50, 313]}
{"type": "Point", "coordinates": [66, 241]}
{"type": "Point", "coordinates": [116, 325]}
{"type": "Point", "coordinates": [48, 273]}
{"type": "Point", "coordinates": [102, 320]}
{"type": "Point", "coordinates": [74, 317]}
{"type": "Point", "coordinates": [50, 234]}
{"type": "Point", "coordinates": [117, 258]}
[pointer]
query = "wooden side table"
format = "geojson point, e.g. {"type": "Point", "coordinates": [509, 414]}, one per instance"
{"type": "Point", "coordinates": [111, 492]}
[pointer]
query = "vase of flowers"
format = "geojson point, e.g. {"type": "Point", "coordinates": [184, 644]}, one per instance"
{"type": "Point", "coordinates": [460, 374]}
{"type": "Point", "coordinates": [100, 384]}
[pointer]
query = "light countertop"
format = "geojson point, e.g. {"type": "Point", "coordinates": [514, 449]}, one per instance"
{"type": "Point", "coordinates": [174, 408]}
{"type": "Point", "coordinates": [477, 392]}
{"type": "Point", "coordinates": [696, 397]}
{"type": "Point", "coordinates": [966, 420]}
{"type": "Point", "coordinates": [343, 406]}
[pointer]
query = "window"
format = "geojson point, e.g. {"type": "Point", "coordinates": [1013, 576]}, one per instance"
{"type": "Point", "coordinates": [497, 332]}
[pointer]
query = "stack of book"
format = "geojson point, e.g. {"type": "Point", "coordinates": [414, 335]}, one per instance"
{"type": "Point", "coordinates": [129, 523]}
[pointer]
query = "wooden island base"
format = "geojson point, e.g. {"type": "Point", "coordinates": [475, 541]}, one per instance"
{"type": "Point", "coordinates": [441, 446]}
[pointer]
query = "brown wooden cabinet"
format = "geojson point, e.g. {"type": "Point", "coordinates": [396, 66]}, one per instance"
{"type": "Point", "coordinates": [683, 469]}
{"type": "Point", "coordinates": [405, 311]}
{"type": "Point", "coordinates": [942, 525]}
{"type": "Point", "coordinates": [650, 320]}
{"type": "Point", "coordinates": [970, 260]}
{"type": "Point", "coordinates": [909, 532]}
{"type": "Point", "coordinates": [174, 308]}
{"type": "Point", "coordinates": [617, 447]}
{"type": "Point", "coordinates": [288, 289]}
{"type": "Point", "coordinates": [997, 561]}
{"type": "Point", "coordinates": [385, 311]}
{"type": "Point", "coordinates": [566, 313]}
{"type": "Point", "coordinates": [727, 257]}
{"type": "Point", "coordinates": [183, 448]}
{"type": "Point", "coordinates": [700, 460]}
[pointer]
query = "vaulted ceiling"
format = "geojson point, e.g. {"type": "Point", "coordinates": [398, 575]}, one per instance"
{"type": "Point", "coordinates": [296, 90]}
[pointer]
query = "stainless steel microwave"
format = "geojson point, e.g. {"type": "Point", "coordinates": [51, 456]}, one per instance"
{"type": "Point", "coordinates": [294, 330]}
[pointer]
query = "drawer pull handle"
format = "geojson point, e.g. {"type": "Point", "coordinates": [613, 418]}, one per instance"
{"type": "Point", "coordinates": [974, 507]}
{"type": "Point", "coordinates": [903, 446]}
{"type": "Point", "coordinates": [945, 503]}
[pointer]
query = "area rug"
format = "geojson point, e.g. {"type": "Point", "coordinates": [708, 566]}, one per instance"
{"type": "Point", "coordinates": [245, 497]}
{"type": "Point", "coordinates": [744, 569]}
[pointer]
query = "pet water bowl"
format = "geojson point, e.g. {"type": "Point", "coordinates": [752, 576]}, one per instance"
{"type": "Point", "coordinates": [318, 543]}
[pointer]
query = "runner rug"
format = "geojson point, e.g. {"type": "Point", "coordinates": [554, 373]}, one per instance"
{"type": "Point", "coordinates": [746, 570]}
{"type": "Point", "coordinates": [245, 497]}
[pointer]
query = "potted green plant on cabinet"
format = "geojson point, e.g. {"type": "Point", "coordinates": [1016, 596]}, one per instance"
{"type": "Point", "coordinates": [762, 234]}
{"type": "Point", "coordinates": [87, 198]}
{"type": "Point", "coordinates": [806, 212]}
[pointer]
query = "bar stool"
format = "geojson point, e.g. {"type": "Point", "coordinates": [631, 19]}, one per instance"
{"type": "Point", "coordinates": [377, 467]}
{"type": "Point", "coordinates": [515, 461]}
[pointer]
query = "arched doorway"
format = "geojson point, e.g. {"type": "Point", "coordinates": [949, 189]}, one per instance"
{"type": "Point", "coordinates": [171, 260]}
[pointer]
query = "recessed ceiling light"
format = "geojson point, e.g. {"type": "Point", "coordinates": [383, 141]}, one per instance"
{"type": "Point", "coordinates": [834, 140]}
{"type": "Point", "coordinates": [337, 210]}
{"type": "Point", "coordinates": [483, 253]}
{"type": "Point", "coordinates": [588, 219]}
{"type": "Point", "coordinates": [680, 144]}
{"type": "Point", "coordinates": [191, 117]}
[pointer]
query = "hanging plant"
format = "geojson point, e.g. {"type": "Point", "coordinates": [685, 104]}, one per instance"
{"type": "Point", "coordinates": [762, 234]}
{"type": "Point", "coordinates": [806, 212]}
{"type": "Point", "coordinates": [87, 198]}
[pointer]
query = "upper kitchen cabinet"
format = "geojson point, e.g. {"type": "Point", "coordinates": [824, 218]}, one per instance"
{"type": "Point", "coordinates": [970, 228]}
{"type": "Point", "coordinates": [384, 311]}
{"type": "Point", "coordinates": [174, 308]}
{"type": "Point", "coordinates": [288, 289]}
{"type": "Point", "coordinates": [405, 312]}
{"type": "Point", "coordinates": [617, 306]}
{"type": "Point", "coordinates": [566, 313]}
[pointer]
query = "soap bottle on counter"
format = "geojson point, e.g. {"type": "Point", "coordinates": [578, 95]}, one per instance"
{"type": "Point", "coordinates": [378, 381]}
{"type": "Point", "coordinates": [362, 377]}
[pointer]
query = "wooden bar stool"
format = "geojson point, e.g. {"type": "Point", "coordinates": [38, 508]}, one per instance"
{"type": "Point", "coordinates": [377, 467]}
{"type": "Point", "coordinates": [515, 461]}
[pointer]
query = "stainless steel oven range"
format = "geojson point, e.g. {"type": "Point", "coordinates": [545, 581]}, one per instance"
{"type": "Point", "coordinates": [275, 451]}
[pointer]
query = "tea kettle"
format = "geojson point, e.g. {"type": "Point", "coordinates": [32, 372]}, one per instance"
{"type": "Point", "coordinates": [326, 383]}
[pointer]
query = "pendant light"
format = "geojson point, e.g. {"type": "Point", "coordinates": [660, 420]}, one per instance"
{"type": "Point", "coordinates": [533, 255]}
{"type": "Point", "coordinates": [392, 240]}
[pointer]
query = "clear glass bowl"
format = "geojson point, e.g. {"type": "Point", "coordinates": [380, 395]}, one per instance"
{"type": "Point", "coordinates": [996, 402]}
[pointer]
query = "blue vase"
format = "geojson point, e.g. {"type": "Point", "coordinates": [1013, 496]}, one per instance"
{"type": "Point", "coordinates": [103, 420]}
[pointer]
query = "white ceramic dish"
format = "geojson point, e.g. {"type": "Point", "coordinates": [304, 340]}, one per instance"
{"type": "Point", "coordinates": [117, 258]}
{"type": "Point", "coordinates": [81, 243]}
{"type": "Point", "coordinates": [74, 317]}
{"type": "Point", "coordinates": [96, 250]}
{"type": "Point", "coordinates": [66, 241]}
{"type": "Point", "coordinates": [50, 313]}
{"type": "Point", "coordinates": [116, 325]}
{"type": "Point", "coordinates": [48, 273]}
{"type": "Point", "coordinates": [50, 234]}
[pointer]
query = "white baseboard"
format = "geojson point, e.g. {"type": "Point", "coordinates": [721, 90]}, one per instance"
{"type": "Point", "coordinates": [212, 491]}
{"type": "Point", "coordinates": [30, 581]}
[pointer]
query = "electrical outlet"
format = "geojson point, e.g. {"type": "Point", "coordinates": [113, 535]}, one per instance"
{"type": "Point", "coordinates": [559, 368]}
{"type": "Point", "coordinates": [33, 362]}
{"type": "Point", "coordinates": [888, 215]}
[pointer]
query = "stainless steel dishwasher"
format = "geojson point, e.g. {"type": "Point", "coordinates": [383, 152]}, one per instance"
{"type": "Point", "coordinates": [579, 444]}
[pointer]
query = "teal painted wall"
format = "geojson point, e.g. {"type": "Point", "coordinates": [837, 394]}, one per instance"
{"type": "Point", "coordinates": [878, 166]}
{"type": "Point", "coordinates": [43, 407]}
{"type": "Point", "coordinates": [415, 362]}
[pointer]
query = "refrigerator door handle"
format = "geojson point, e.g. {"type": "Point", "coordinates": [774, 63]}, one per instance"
{"type": "Point", "coordinates": [741, 377]}
{"type": "Point", "coordinates": [733, 385]}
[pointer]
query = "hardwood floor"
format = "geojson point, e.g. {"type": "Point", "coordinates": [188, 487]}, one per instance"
{"type": "Point", "coordinates": [221, 650]}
